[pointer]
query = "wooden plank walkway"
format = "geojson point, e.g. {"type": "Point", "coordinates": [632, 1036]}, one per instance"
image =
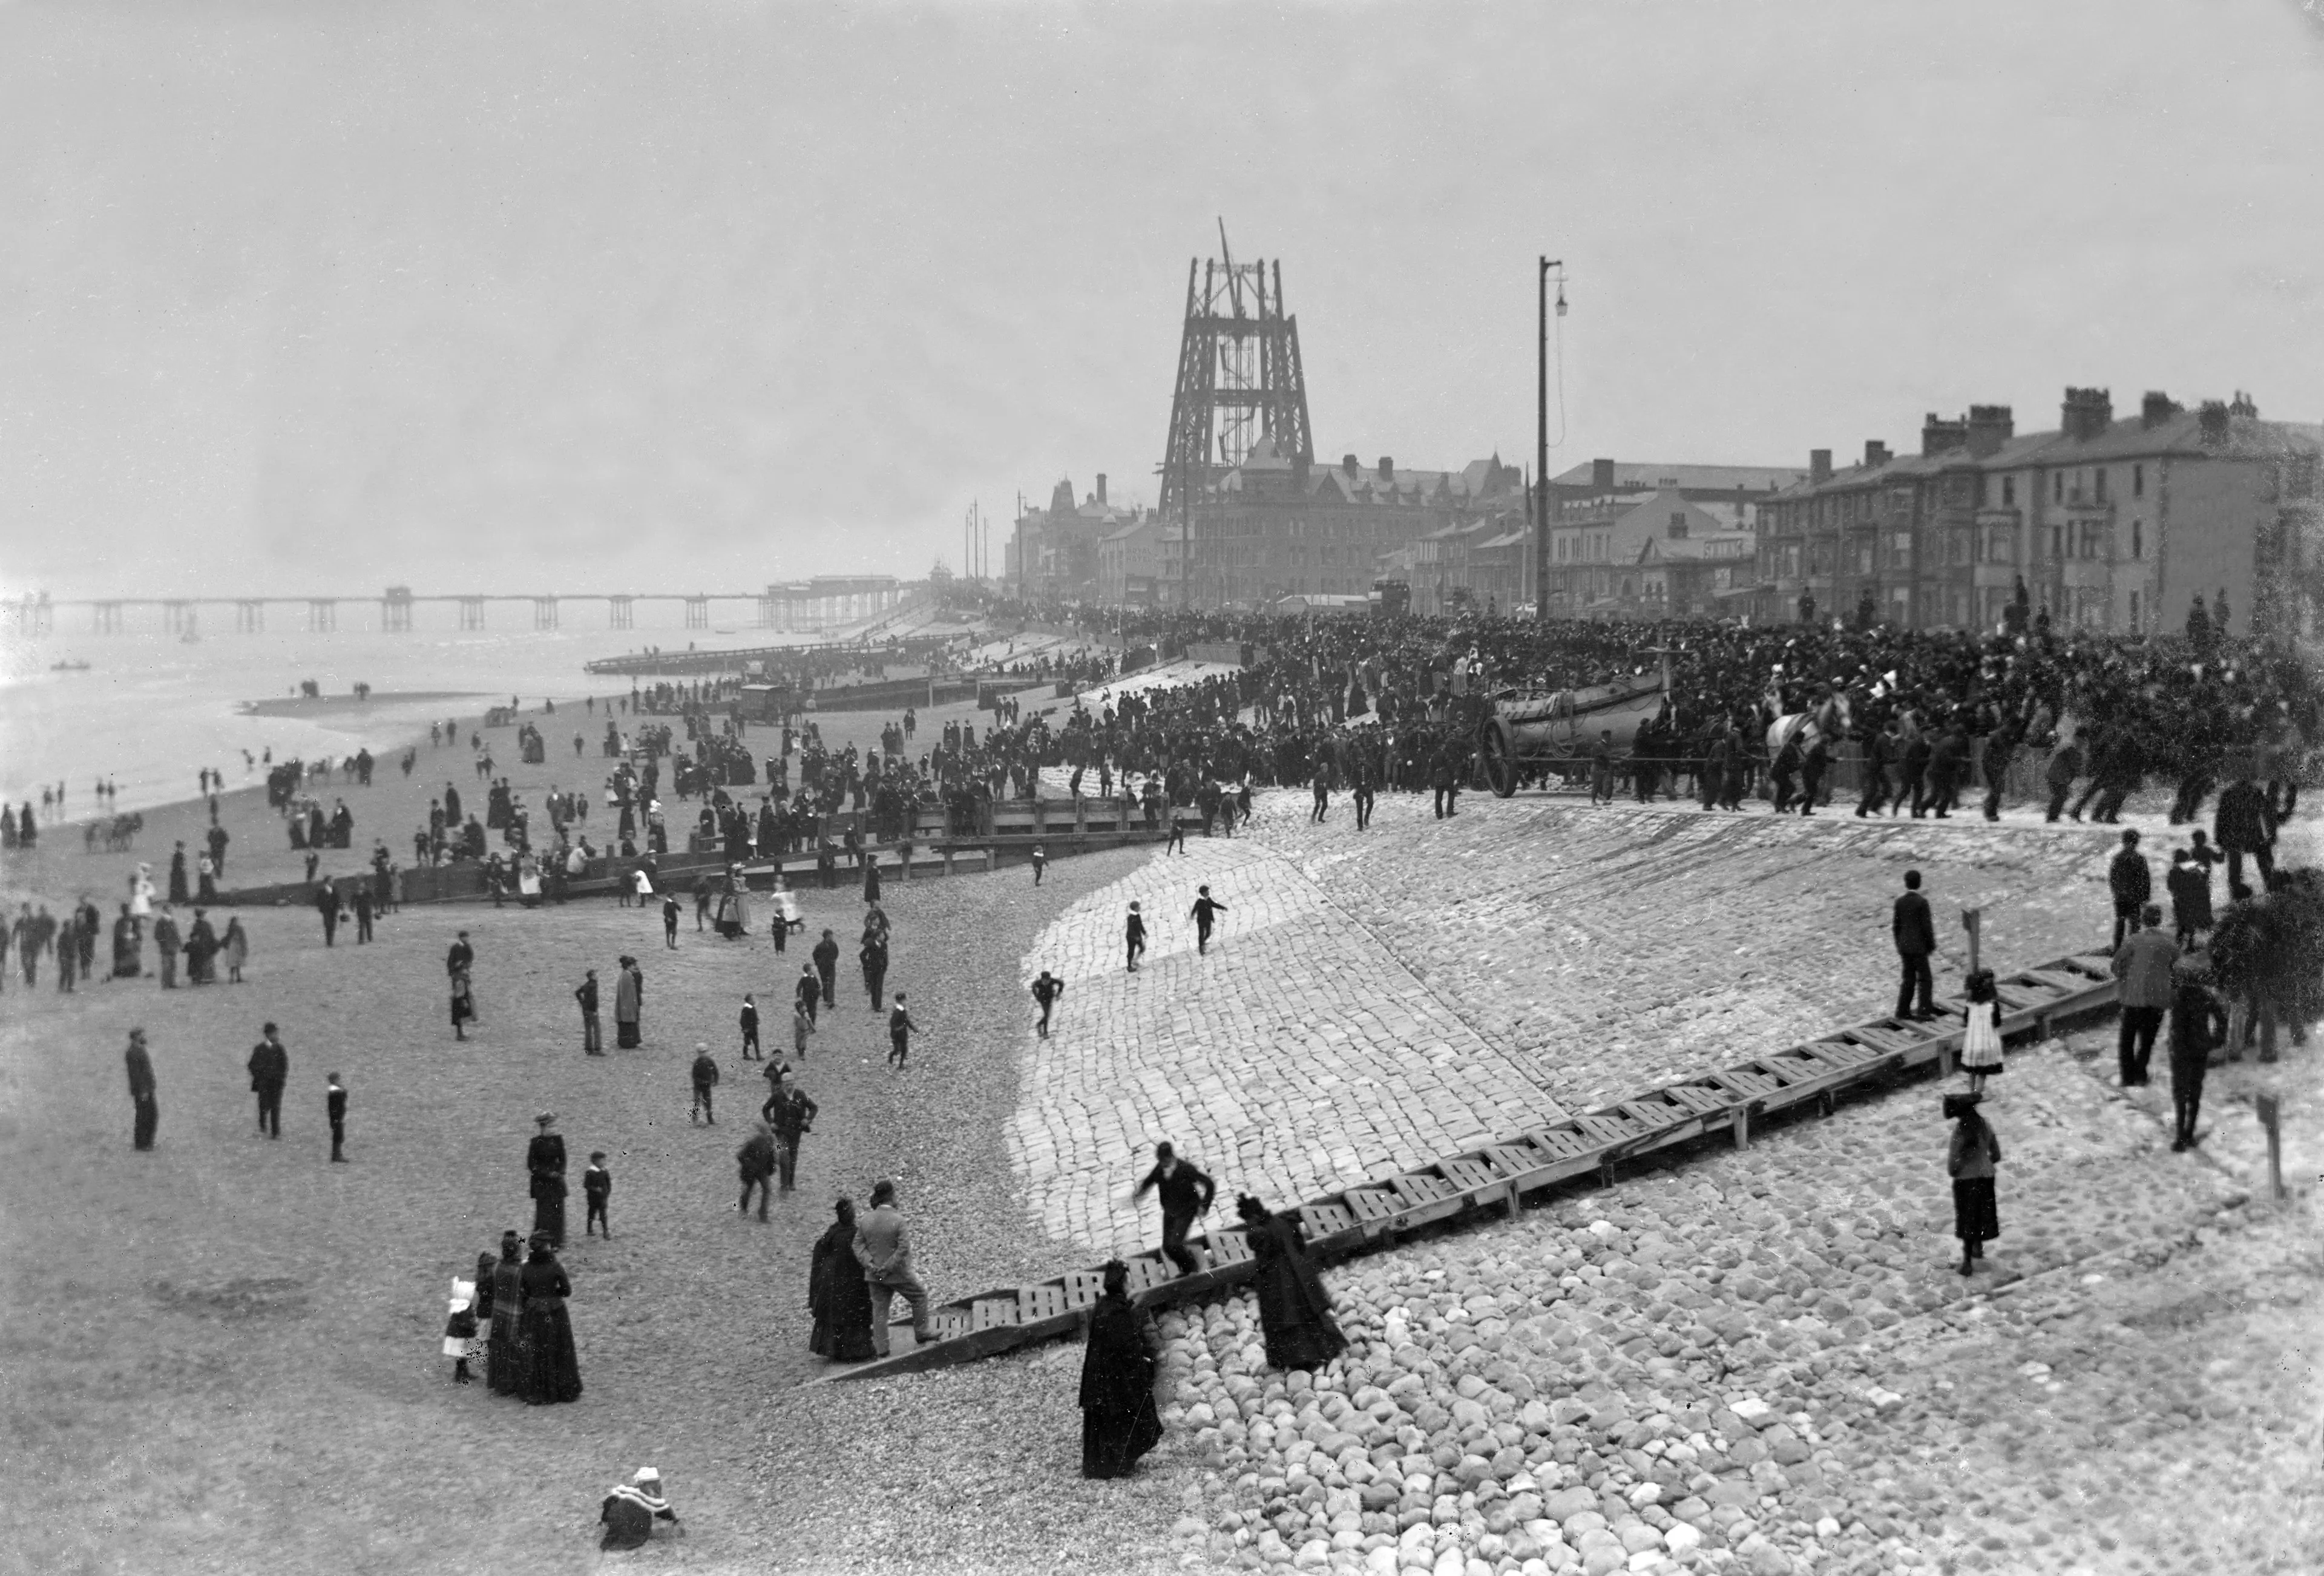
{"type": "Point", "coordinates": [1592, 1145]}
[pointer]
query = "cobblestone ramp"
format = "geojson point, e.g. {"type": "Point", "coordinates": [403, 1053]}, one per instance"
{"type": "Point", "coordinates": [1299, 1055]}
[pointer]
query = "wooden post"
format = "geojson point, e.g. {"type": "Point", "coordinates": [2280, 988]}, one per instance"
{"type": "Point", "coordinates": [2270, 1111]}
{"type": "Point", "coordinates": [1972, 921]}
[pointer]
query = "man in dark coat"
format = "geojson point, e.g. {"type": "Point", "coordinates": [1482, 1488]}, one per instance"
{"type": "Point", "coordinates": [826, 966]}
{"type": "Point", "coordinates": [2130, 883]}
{"type": "Point", "coordinates": [335, 1107]}
{"type": "Point", "coordinates": [142, 1097]}
{"type": "Point", "coordinates": [593, 1042]}
{"type": "Point", "coordinates": [1917, 753]}
{"type": "Point", "coordinates": [1205, 913]}
{"type": "Point", "coordinates": [1185, 1193]}
{"type": "Point", "coordinates": [327, 903]}
{"type": "Point", "coordinates": [1915, 935]}
{"type": "Point", "coordinates": [270, 1070]}
{"type": "Point", "coordinates": [2241, 826]}
{"type": "Point", "coordinates": [2189, 883]}
{"type": "Point", "coordinates": [791, 1114]}
{"type": "Point", "coordinates": [2198, 1025]}
{"type": "Point", "coordinates": [2065, 765]}
{"type": "Point", "coordinates": [2142, 965]}
{"type": "Point", "coordinates": [544, 1161]}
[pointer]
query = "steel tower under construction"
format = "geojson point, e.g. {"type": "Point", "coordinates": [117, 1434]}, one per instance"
{"type": "Point", "coordinates": [1238, 378]}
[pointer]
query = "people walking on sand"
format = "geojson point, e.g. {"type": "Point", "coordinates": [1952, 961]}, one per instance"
{"type": "Point", "coordinates": [837, 1294]}
{"type": "Point", "coordinates": [235, 947]}
{"type": "Point", "coordinates": [166, 943]}
{"type": "Point", "coordinates": [1295, 1309]}
{"type": "Point", "coordinates": [1915, 933]}
{"type": "Point", "coordinates": [750, 1025]}
{"type": "Point", "coordinates": [144, 1100]}
{"type": "Point", "coordinates": [335, 1108]}
{"type": "Point", "coordinates": [1981, 1053]}
{"type": "Point", "coordinates": [552, 1369]}
{"type": "Point", "coordinates": [1185, 1195]}
{"type": "Point", "coordinates": [900, 1033]}
{"type": "Point", "coordinates": [1204, 914]}
{"type": "Point", "coordinates": [505, 1349]}
{"type": "Point", "coordinates": [544, 1163]}
{"type": "Point", "coordinates": [597, 1194]}
{"type": "Point", "coordinates": [791, 1114]}
{"type": "Point", "coordinates": [705, 1082]}
{"type": "Point", "coordinates": [1969, 1160]}
{"type": "Point", "coordinates": [755, 1162]}
{"type": "Point", "coordinates": [884, 1248]}
{"type": "Point", "coordinates": [827, 964]}
{"type": "Point", "coordinates": [2143, 963]}
{"type": "Point", "coordinates": [2198, 1025]}
{"type": "Point", "coordinates": [270, 1070]}
{"type": "Point", "coordinates": [1120, 1358]}
{"type": "Point", "coordinates": [1046, 989]}
{"type": "Point", "coordinates": [1134, 937]}
{"type": "Point", "coordinates": [873, 955]}
{"type": "Point", "coordinates": [593, 1043]}
{"type": "Point", "coordinates": [629, 1004]}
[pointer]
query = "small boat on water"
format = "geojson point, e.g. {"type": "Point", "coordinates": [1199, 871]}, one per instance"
{"type": "Point", "coordinates": [68, 666]}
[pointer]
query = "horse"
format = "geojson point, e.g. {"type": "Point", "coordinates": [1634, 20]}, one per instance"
{"type": "Point", "coordinates": [1830, 720]}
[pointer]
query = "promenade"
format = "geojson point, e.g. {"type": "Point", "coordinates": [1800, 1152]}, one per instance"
{"type": "Point", "coordinates": [1756, 1361]}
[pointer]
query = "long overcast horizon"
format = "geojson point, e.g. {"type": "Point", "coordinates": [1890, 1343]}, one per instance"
{"type": "Point", "coordinates": [308, 298]}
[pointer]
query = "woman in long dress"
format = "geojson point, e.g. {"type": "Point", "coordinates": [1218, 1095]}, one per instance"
{"type": "Point", "coordinates": [1980, 1056]}
{"type": "Point", "coordinates": [1295, 1311]}
{"type": "Point", "coordinates": [629, 1000]}
{"type": "Point", "coordinates": [504, 1351]}
{"type": "Point", "coordinates": [836, 1294]}
{"type": "Point", "coordinates": [1119, 1421]}
{"type": "Point", "coordinates": [128, 946]}
{"type": "Point", "coordinates": [552, 1369]}
{"type": "Point", "coordinates": [235, 947]}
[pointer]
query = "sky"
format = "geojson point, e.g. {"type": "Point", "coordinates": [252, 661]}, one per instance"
{"type": "Point", "coordinates": [306, 298]}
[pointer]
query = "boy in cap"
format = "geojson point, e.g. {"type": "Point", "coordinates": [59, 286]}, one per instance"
{"type": "Point", "coordinates": [749, 1020]}
{"type": "Point", "coordinates": [1134, 935]}
{"type": "Point", "coordinates": [597, 1190]}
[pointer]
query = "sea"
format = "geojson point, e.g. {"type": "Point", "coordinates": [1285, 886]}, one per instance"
{"type": "Point", "coordinates": [152, 709]}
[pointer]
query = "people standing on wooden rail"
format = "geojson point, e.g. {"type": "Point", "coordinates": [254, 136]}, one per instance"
{"type": "Point", "coordinates": [1970, 1159]}
{"type": "Point", "coordinates": [1295, 1309]}
{"type": "Point", "coordinates": [884, 1250]}
{"type": "Point", "coordinates": [1121, 1365]}
{"type": "Point", "coordinates": [1185, 1194]}
{"type": "Point", "coordinates": [1915, 935]}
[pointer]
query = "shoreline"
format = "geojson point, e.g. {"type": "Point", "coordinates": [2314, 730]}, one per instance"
{"type": "Point", "coordinates": [317, 708]}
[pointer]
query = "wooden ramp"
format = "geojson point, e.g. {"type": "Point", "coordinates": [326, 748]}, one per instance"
{"type": "Point", "coordinates": [1492, 1177]}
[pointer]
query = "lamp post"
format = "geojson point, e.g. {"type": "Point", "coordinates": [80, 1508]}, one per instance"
{"type": "Point", "coordinates": [1541, 433]}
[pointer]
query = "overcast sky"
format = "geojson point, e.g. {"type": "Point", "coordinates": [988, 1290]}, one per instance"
{"type": "Point", "coordinates": [312, 298]}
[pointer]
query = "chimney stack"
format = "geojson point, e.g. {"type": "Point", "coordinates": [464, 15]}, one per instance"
{"type": "Point", "coordinates": [1939, 436]}
{"type": "Point", "coordinates": [1386, 469]}
{"type": "Point", "coordinates": [2156, 409]}
{"type": "Point", "coordinates": [1100, 487]}
{"type": "Point", "coordinates": [1351, 466]}
{"type": "Point", "coordinates": [1601, 475]}
{"type": "Point", "coordinates": [2086, 413]}
{"type": "Point", "coordinates": [2214, 418]}
{"type": "Point", "coordinates": [1876, 453]}
{"type": "Point", "coordinates": [1819, 466]}
{"type": "Point", "coordinates": [1989, 427]}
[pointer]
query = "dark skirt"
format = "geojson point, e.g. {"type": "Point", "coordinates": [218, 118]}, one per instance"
{"type": "Point", "coordinates": [842, 1313]}
{"type": "Point", "coordinates": [1975, 1216]}
{"type": "Point", "coordinates": [504, 1354]}
{"type": "Point", "coordinates": [548, 1218]}
{"type": "Point", "coordinates": [1114, 1436]}
{"type": "Point", "coordinates": [551, 1368]}
{"type": "Point", "coordinates": [463, 1009]}
{"type": "Point", "coordinates": [625, 1032]}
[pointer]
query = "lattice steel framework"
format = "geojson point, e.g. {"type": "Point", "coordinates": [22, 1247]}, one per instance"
{"type": "Point", "coordinates": [1239, 377]}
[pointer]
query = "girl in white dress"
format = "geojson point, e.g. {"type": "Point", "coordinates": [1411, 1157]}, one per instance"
{"type": "Point", "coordinates": [1980, 1056]}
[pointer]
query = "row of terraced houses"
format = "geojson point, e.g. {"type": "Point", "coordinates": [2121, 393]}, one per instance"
{"type": "Point", "coordinates": [2106, 523]}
